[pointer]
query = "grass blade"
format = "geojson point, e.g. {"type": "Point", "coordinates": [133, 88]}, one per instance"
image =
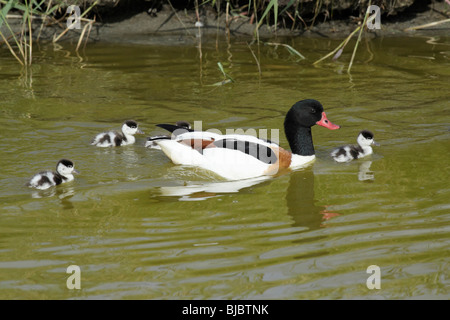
{"type": "Point", "coordinates": [272, 4]}
{"type": "Point", "coordinates": [225, 75]}
{"type": "Point", "coordinates": [5, 11]}
{"type": "Point", "coordinates": [289, 49]}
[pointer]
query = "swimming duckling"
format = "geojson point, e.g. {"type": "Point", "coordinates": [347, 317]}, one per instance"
{"type": "Point", "coordinates": [114, 138]}
{"type": "Point", "coordinates": [350, 152]}
{"type": "Point", "coordinates": [184, 126]}
{"type": "Point", "coordinates": [46, 179]}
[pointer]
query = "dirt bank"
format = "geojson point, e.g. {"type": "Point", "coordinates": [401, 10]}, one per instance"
{"type": "Point", "coordinates": [149, 21]}
{"type": "Point", "coordinates": [139, 21]}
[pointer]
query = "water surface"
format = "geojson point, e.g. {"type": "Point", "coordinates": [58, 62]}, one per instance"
{"type": "Point", "coordinates": [141, 228]}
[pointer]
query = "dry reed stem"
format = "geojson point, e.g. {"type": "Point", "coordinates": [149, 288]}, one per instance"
{"type": "Point", "coordinates": [341, 45]}
{"type": "Point", "coordinates": [431, 24]}
{"type": "Point", "coordinates": [44, 19]}
{"type": "Point", "coordinates": [176, 15]}
{"type": "Point", "coordinates": [359, 37]}
{"type": "Point", "coordinates": [89, 32]}
{"type": "Point", "coordinates": [256, 59]}
{"type": "Point", "coordinates": [75, 21]}
{"type": "Point", "coordinates": [30, 35]}
{"type": "Point", "coordinates": [11, 49]}
{"type": "Point", "coordinates": [81, 36]}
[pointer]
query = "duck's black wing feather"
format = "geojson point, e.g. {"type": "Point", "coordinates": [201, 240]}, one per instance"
{"type": "Point", "coordinates": [259, 151]}
{"type": "Point", "coordinates": [172, 128]}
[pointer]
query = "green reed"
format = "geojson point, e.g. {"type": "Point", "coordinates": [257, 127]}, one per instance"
{"type": "Point", "coordinates": [20, 43]}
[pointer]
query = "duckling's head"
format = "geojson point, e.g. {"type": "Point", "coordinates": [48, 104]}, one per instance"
{"type": "Point", "coordinates": [365, 139]}
{"type": "Point", "coordinates": [65, 167]}
{"type": "Point", "coordinates": [183, 124]}
{"type": "Point", "coordinates": [130, 127]}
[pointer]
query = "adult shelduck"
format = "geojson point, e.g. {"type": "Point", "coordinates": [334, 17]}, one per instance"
{"type": "Point", "coordinates": [238, 156]}
{"type": "Point", "coordinates": [349, 152]}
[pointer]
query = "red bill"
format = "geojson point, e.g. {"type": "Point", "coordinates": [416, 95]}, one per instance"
{"type": "Point", "coordinates": [324, 122]}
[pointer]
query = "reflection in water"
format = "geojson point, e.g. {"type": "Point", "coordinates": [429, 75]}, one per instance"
{"type": "Point", "coordinates": [301, 203]}
{"type": "Point", "coordinates": [126, 155]}
{"type": "Point", "coordinates": [129, 157]}
{"type": "Point", "coordinates": [207, 190]}
{"type": "Point", "coordinates": [60, 191]}
{"type": "Point", "coordinates": [299, 197]}
{"type": "Point", "coordinates": [63, 192]}
{"type": "Point", "coordinates": [120, 159]}
{"type": "Point", "coordinates": [364, 171]}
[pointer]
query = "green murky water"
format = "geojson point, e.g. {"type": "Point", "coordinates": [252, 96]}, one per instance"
{"type": "Point", "coordinates": [140, 227]}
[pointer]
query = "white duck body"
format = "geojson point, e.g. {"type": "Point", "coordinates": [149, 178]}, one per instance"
{"type": "Point", "coordinates": [116, 139]}
{"type": "Point", "coordinates": [46, 179]}
{"type": "Point", "coordinates": [237, 156]}
{"type": "Point", "coordinates": [230, 164]}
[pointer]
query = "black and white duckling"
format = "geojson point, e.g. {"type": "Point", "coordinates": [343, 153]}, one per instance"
{"type": "Point", "coordinates": [350, 152]}
{"type": "Point", "coordinates": [183, 126]}
{"type": "Point", "coordinates": [116, 139]}
{"type": "Point", "coordinates": [46, 179]}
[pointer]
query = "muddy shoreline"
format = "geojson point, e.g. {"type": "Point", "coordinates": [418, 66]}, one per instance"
{"type": "Point", "coordinates": [167, 22]}
{"type": "Point", "coordinates": [144, 24]}
{"type": "Point", "coordinates": [180, 25]}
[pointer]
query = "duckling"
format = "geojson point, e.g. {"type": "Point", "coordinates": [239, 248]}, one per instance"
{"type": "Point", "coordinates": [46, 179]}
{"type": "Point", "coordinates": [349, 152]}
{"type": "Point", "coordinates": [183, 125]}
{"type": "Point", "coordinates": [114, 138]}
